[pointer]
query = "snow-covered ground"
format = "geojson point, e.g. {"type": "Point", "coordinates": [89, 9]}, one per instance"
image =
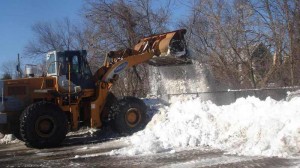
{"type": "Point", "coordinates": [249, 126]}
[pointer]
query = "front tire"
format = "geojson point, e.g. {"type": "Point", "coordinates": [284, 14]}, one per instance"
{"type": "Point", "coordinates": [130, 115]}
{"type": "Point", "coordinates": [43, 125]}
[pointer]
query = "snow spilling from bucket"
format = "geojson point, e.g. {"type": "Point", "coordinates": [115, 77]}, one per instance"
{"type": "Point", "coordinates": [181, 79]}
{"type": "Point", "coordinates": [247, 127]}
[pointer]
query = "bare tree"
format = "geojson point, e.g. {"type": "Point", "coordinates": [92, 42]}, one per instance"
{"type": "Point", "coordinates": [281, 18]}
{"type": "Point", "coordinates": [245, 41]}
{"type": "Point", "coordinates": [61, 35]}
{"type": "Point", "coordinates": [8, 69]}
{"type": "Point", "coordinates": [120, 24]}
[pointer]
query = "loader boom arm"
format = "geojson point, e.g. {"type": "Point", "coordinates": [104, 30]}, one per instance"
{"type": "Point", "coordinates": [158, 50]}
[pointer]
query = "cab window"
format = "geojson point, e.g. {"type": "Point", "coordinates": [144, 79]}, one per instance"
{"type": "Point", "coordinates": [51, 64]}
{"type": "Point", "coordinates": [75, 64]}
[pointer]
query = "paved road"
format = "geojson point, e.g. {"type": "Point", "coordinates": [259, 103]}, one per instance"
{"type": "Point", "coordinates": [87, 150]}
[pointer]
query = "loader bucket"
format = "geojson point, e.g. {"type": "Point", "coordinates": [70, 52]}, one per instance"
{"type": "Point", "coordinates": [169, 49]}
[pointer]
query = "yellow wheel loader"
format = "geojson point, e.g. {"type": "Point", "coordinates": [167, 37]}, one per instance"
{"type": "Point", "coordinates": [41, 110]}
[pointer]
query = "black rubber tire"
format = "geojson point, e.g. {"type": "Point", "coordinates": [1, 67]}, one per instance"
{"type": "Point", "coordinates": [121, 109]}
{"type": "Point", "coordinates": [106, 115]}
{"type": "Point", "coordinates": [16, 130]}
{"type": "Point", "coordinates": [31, 120]}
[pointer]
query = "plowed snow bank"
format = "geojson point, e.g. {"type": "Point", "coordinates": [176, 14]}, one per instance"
{"type": "Point", "coordinates": [247, 127]}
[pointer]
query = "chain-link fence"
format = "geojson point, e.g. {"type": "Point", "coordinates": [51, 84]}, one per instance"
{"type": "Point", "coordinates": [230, 96]}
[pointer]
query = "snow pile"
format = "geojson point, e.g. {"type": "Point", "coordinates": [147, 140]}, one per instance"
{"type": "Point", "coordinates": [247, 127]}
{"type": "Point", "coordinates": [84, 131]}
{"type": "Point", "coordinates": [8, 138]}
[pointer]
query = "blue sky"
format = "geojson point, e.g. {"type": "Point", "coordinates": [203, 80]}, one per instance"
{"type": "Point", "coordinates": [17, 17]}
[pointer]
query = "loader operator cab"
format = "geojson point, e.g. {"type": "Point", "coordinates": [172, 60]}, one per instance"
{"type": "Point", "coordinates": [71, 69]}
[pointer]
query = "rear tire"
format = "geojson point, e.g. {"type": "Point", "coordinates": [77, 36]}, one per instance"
{"type": "Point", "coordinates": [43, 125]}
{"type": "Point", "coordinates": [130, 115]}
{"type": "Point", "coordinates": [16, 130]}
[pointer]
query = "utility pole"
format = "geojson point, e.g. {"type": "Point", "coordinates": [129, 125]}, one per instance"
{"type": "Point", "coordinates": [19, 67]}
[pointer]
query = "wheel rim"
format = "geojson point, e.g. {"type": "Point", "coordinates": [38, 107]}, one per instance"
{"type": "Point", "coordinates": [132, 117]}
{"type": "Point", "coordinates": [45, 126]}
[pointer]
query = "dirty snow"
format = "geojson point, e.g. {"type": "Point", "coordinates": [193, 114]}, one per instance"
{"type": "Point", "coordinates": [247, 127]}
{"type": "Point", "coordinates": [85, 131]}
{"type": "Point", "coordinates": [8, 138]}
